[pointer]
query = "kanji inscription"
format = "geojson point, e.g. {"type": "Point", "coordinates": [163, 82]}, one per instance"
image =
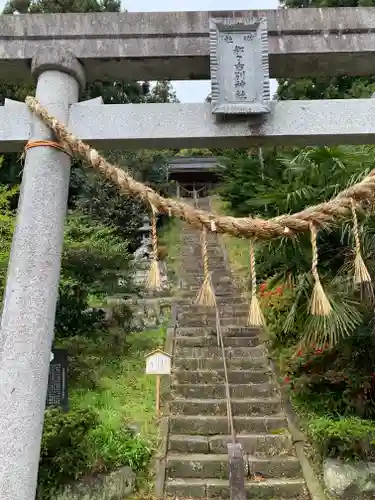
{"type": "Point", "coordinates": [239, 66]}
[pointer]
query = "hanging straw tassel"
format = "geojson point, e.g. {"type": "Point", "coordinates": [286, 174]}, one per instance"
{"type": "Point", "coordinates": [153, 280]}
{"type": "Point", "coordinates": [361, 274]}
{"type": "Point", "coordinates": [255, 317]}
{"type": "Point", "coordinates": [206, 296]}
{"type": "Point", "coordinates": [320, 305]}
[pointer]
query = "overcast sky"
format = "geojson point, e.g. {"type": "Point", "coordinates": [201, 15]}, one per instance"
{"type": "Point", "coordinates": [194, 91]}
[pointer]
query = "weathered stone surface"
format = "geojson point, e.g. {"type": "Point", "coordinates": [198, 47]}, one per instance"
{"type": "Point", "coordinates": [216, 376]}
{"type": "Point", "coordinates": [116, 485]}
{"type": "Point", "coordinates": [216, 466]}
{"type": "Point", "coordinates": [350, 481]}
{"type": "Point", "coordinates": [211, 425]}
{"type": "Point", "coordinates": [238, 364]}
{"type": "Point", "coordinates": [215, 352]}
{"type": "Point", "coordinates": [229, 331]}
{"type": "Point", "coordinates": [291, 489]}
{"type": "Point", "coordinates": [211, 340]}
{"type": "Point", "coordinates": [188, 444]}
{"type": "Point", "coordinates": [255, 444]}
{"type": "Point", "coordinates": [255, 406]}
{"type": "Point", "coordinates": [238, 391]}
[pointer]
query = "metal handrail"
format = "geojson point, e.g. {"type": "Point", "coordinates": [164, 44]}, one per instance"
{"type": "Point", "coordinates": [235, 454]}
{"type": "Point", "coordinates": [227, 389]}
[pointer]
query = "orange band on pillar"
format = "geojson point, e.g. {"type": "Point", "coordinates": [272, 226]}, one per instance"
{"type": "Point", "coordinates": [46, 143]}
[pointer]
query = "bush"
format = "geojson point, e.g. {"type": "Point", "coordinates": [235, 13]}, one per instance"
{"type": "Point", "coordinates": [277, 304]}
{"type": "Point", "coordinates": [339, 381]}
{"type": "Point", "coordinates": [89, 356]}
{"type": "Point", "coordinates": [78, 443]}
{"type": "Point", "coordinates": [64, 451]}
{"type": "Point", "coordinates": [114, 447]}
{"type": "Point", "coordinates": [346, 438]}
{"type": "Point", "coordinates": [73, 315]}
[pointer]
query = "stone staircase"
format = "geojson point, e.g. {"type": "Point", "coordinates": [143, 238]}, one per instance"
{"type": "Point", "coordinates": [197, 460]}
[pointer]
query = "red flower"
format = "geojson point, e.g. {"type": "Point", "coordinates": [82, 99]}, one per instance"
{"type": "Point", "coordinates": [262, 287]}
{"type": "Point", "coordinates": [300, 353]}
{"type": "Point", "coordinates": [318, 351]}
{"type": "Point", "coordinates": [279, 290]}
{"type": "Point", "coordinates": [286, 379]}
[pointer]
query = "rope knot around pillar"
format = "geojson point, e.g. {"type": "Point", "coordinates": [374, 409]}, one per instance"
{"type": "Point", "coordinates": [46, 143]}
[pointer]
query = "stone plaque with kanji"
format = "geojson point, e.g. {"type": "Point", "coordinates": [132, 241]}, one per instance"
{"type": "Point", "coordinates": [239, 66]}
{"type": "Point", "coordinates": [57, 392]}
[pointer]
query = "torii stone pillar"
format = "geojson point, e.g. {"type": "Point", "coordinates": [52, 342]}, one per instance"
{"type": "Point", "coordinates": [31, 292]}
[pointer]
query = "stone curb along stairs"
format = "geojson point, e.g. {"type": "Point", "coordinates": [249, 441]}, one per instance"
{"type": "Point", "coordinates": [196, 464]}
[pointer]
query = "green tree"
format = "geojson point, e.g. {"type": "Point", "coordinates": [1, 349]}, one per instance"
{"type": "Point", "coordinates": [326, 88]}
{"type": "Point", "coordinates": [7, 220]}
{"type": "Point", "coordinates": [285, 182]}
{"type": "Point", "coordinates": [94, 259]}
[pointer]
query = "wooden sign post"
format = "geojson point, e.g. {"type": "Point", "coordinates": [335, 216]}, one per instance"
{"type": "Point", "coordinates": [158, 363]}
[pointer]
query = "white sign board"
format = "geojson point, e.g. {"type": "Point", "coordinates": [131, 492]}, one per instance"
{"type": "Point", "coordinates": [158, 363]}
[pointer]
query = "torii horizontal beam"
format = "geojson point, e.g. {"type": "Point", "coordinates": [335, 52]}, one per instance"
{"type": "Point", "coordinates": [334, 121]}
{"type": "Point", "coordinates": [175, 45]}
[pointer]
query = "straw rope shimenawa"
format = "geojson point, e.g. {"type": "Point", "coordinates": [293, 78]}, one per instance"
{"type": "Point", "coordinates": [153, 279]}
{"type": "Point", "coordinates": [320, 305]}
{"type": "Point", "coordinates": [361, 274]}
{"type": "Point", "coordinates": [206, 295]}
{"type": "Point", "coordinates": [285, 225]}
{"type": "Point", "coordinates": [255, 317]}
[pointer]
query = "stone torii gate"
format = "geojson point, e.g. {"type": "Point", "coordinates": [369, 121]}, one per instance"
{"type": "Point", "coordinates": [237, 50]}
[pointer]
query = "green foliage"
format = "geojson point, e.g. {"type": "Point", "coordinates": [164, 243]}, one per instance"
{"type": "Point", "coordinates": [6, 229]}
{"type": "Point", "coordinates": [64, 450]}
{"type": "Point", "coordinates": [73, 315]}
{"type": "Point", "coordinates": [326, 88]}
{"type": "Point", "coordinates": [346, 438]}
{"type": "Point", "coordinates": [288, 181]}
{"type": "Point", "coordinates": [95, 255]}
{"type": "Point", "coordinates": [195, 152]}
{"type": "Point", "coordinates": [343, 376]}
{"type": "Point", "coordinates": [94, 258]}
{"type": "Point", "coordinates": [51, 6]}
{"type": "Point", "coordinates": [96, 434]}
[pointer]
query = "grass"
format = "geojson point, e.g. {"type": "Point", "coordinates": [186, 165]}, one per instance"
{"type": "Point", "coordinates": [237, 248]}
{"type": "Point", "coordinates": [170, 237]}
{"type": "Point", "coordinates": [112, 420]}
{"type": "Point", "coordinates": [125, 394]}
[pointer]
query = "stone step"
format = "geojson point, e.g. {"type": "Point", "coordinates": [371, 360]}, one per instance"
{"type": "Point", "coordinates": [216, 466]}
{"type": "Point", "coordinates": [222, 294]}
{"type": "Point", "coordinates": [248, 406]}
{"type": "Point", "coordinates": [196, 321]}
{"type": "Point", "coordinates": [239, 303]}
{"type": "Point", "coordinates": [230, 310]}
{"type": "Point", "coordinates": [220, 278]}
{"type": "Point", "coordinates": [259, 445]}
{"type": "Point", "coordinates": [211, 340]}
{"type": "Point", "coordinates": [191, 307]}
{"type": "Point", "coordinates": [228, 331]}
{"type": "Point", "coordinates": [237, 391]}
{"type": "Point", "coordinates": [213, 425]}
{"type": "Point", "coordinates": [246, 377]}
{"type": "Point", "coordinates": [216, 260]}
{"type": "Point", "coordinates": [239, 364]}
{"type": "Point", "coordinates": [275, 489]}
{"type": "Point", "coordinates": [216, 352]}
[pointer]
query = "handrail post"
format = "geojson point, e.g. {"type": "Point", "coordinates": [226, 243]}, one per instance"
{"type": "Point", "coordinates": [236, 472]}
